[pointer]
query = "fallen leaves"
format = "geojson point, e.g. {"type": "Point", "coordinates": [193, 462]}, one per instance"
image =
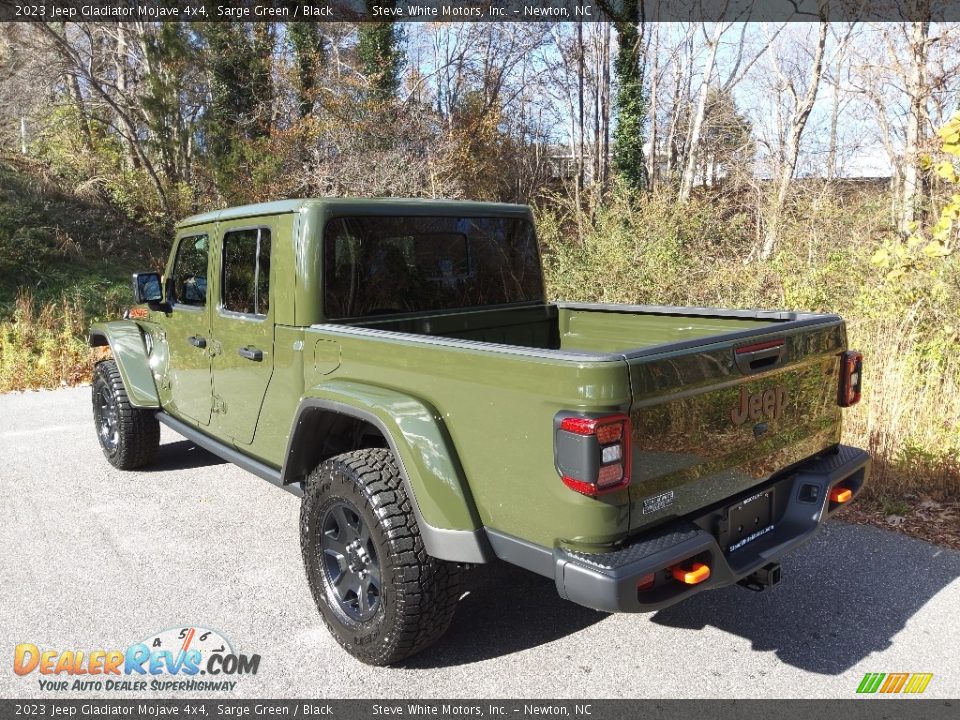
{"type": "Point", "coordinates": [926, 519]}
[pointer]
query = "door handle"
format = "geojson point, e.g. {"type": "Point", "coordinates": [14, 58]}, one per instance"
{"type": "Point", "coordinates": [251, 353]}
{"type": "Point", "coordinates": [197, 341]}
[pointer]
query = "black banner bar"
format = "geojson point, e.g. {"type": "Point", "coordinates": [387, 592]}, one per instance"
{"type": "Point", "coordinates": [476, 10]}
{"type": "Point", "coordinates": [861, 709]}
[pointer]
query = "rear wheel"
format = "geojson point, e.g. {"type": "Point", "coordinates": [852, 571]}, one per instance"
{"type": "Point", "coordinates": [382, 597]}
{"type": "Point", "coordinates": [129, 436]}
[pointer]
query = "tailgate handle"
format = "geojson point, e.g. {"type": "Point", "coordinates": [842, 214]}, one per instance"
{"type": "Point", "coordinates": [759, 356]}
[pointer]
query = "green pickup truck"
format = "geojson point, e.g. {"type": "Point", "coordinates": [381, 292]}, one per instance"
{"type": "Point", "coordinates": [396, 364]}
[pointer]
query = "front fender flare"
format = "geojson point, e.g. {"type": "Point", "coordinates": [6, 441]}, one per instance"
{"type": "Point", "coordinates": [432, 475]}
{"type": "Point", "coordinates": [126, 343]}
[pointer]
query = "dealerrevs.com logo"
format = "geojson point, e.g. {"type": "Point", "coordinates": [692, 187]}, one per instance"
{"type": "Point", "coordinates": [178, 659]}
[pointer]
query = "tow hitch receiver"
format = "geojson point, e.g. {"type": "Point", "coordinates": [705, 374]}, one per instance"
{"type": "Point", "coordinates": [764, 578]}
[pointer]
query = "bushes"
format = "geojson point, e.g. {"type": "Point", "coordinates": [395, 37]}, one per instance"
{"type": "Point", "coordinates": [44, 347]}
{"type": "Point", "coordinates": [65, 260]}
{"type": "Point", "coordinates": [651, 250]}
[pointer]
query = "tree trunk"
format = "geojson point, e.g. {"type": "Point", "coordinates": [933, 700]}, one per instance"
{"type": "Point", "coordinates": [832, 148]}
{"type": "Point", "coordinates": [120, 66]}
{"type": "Point", "coordinates": [798, 122]}
{"type": "Point", "coordinates": [605, 108]}
{"type": "Point", "coordinates": [693, 135]}
{"type": "Point", "coordinates": [918, 93]}
{"type": "Point", "coordinates": [652, 163]}
{"type": "Point", "coordinates": [76, 98]}
{"type": "Point", "coordinates": [671, 144]}
{"type": "Point", "coordinates": [597, 89]}
{"type": "Point", "coordinates": [580, 139]}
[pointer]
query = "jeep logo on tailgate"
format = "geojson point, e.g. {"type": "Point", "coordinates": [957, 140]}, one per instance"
{"type": "Point", "coordinates": [770, 403]}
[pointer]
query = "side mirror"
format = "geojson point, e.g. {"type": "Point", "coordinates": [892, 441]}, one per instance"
{"type": "Point", "coordinates": [147, 288]}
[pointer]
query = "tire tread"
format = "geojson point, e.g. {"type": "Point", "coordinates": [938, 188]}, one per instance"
{"type": "Point", "coordinates": [139, 429]}
{"type": "Point", "coordinates": [428, 589]}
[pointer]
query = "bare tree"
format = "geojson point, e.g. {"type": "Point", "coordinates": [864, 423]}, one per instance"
{"type": "Point", "coordinates": [906, 76]}
{"type": "Point", "coordinates": [696, 122]}
{"type": "Point", "coordinates": [81, 60]}
{"type": "Point", "coordinates": [918, 40]}
{"type": "Point", "coordinates": [801, 101]}
{"type": "Point", "coordinates": [834, 75]}
{"type": "Point", "coordinates": [735, 74]}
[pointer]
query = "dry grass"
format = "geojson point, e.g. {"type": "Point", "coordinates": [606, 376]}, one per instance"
{"type": "Point", "coordinates": [44, 347]}
{"type": "Point", "coordinates": [909, 416]}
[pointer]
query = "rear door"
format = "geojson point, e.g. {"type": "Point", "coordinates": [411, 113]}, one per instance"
{"type": "Point", "coordinates": [186, 328]}
{"type": "Point", "coordinates": [242, 326]}
{"type": "Point", "coordinates": [710, 422]}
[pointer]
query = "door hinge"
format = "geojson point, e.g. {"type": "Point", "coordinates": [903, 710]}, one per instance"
{"type": "Point", "coordinates": [219, 406]}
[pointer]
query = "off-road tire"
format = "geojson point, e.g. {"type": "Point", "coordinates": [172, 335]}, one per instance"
{"type": "Point", "coordinates": [418, 593]}
{"type": "Point", "coordinates": [136, 436]}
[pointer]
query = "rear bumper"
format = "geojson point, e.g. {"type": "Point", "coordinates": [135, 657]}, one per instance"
{"type": "Point", "coordinates": [609, 581]}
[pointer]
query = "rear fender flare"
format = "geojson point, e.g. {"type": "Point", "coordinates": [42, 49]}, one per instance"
{"type": "Point", "coordinates": [432, 476]}
{"type": "Point", "coordinates": [125, 340]}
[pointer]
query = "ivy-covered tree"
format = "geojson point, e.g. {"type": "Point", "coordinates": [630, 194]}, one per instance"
{"type": "Point", "coordinates": [168, 50]}
{"type": "Point", "coordinates": [239, 63]}
{"type": "Point", "coordinates": [631, 100]}
{"type": "Point", "coordinates": [310, 54]}
{"type": "Point", "coordinates": [380, 54]}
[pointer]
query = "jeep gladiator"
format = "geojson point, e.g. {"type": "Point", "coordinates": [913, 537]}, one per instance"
{"type": "Point", "coordinates": [396, 364]}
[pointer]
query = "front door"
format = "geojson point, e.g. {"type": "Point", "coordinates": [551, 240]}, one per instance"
{"type": "Point", "coordinates": [187, 329]}
{"type": "Point", "coordinates": [242, 328]}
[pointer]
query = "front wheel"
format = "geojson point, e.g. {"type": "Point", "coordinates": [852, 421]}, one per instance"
{"type": "Point", "coordinates": [379, 593]}
{"type": "Point", "coordinates": [129, 437]}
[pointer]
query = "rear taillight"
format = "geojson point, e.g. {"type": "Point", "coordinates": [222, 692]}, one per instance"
{"type": "Point", "coordinates": [851, 378]}
{"type": "Point", "coordinates": [593, 454]}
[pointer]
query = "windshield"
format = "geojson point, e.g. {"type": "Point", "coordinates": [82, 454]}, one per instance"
{"type": "Point", "coordinates": [385, 265]}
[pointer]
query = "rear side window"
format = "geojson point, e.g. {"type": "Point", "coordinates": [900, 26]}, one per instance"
{"type": "Point", "coordinates": [190, 271]}
{"type": "Point", "coordinates": [246, 271]}
{"type": "Point", "coordinates": [385, 265]}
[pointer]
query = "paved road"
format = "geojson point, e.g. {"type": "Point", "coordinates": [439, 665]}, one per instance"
{"type": "Point", "coordinates": [96, 558]}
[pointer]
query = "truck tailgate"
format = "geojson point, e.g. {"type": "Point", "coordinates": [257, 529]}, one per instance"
{"type": "Point", "coordinates": [710, 422]}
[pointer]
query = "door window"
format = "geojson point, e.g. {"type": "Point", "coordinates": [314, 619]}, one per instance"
{"type": "Point", "coordinates": [246, 271]}
{"type": "Point", "coordinates": [190, 271]}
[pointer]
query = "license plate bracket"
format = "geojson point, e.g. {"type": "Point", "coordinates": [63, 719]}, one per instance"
{"type": "Point", "coordinates": [749, 519]}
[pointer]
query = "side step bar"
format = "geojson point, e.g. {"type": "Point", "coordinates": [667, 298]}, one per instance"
{"type": "Point", "coordinates": [230, 454]}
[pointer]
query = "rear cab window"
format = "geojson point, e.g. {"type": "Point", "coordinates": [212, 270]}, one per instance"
{"type": "Point", "coordinates": [402, 264]}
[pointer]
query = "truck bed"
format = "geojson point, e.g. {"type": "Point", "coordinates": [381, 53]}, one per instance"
{"type": "Point", "coordinates": [592, 329]}
{"type": "Point", "coordinates": [682, 374]}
